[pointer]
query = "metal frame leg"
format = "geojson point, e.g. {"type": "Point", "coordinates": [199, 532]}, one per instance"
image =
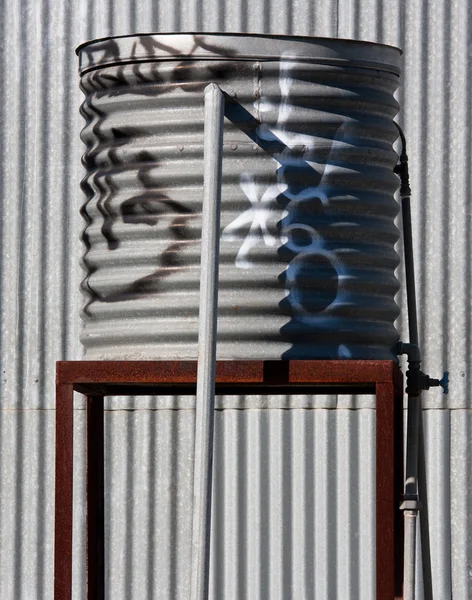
{"type": "Point", "coordinates": [63, 492]}
{"type": "Point", "coordinates": [385, 491]}
{"type": "Point", "coordinates": [94, 379]}
{"type": "Point", "coordinates": [399, 483]}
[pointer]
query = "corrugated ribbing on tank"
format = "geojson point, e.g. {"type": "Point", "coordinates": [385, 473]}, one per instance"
{"type": "Point", "coordinates": [307, 227]}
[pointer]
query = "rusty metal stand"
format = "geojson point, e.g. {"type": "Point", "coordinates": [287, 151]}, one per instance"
{"type": "Point", "coordinates": [97, 379]}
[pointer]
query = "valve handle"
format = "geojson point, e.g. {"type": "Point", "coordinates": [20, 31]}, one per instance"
{"type": "Point", "coordinates": [444, 382]}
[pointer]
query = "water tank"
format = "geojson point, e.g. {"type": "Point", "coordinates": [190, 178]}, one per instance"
{"type": "Point", "coordinates": [307, 255]}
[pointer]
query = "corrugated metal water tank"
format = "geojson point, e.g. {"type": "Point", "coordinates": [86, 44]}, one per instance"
{"type": "Point", "coordinates": [307, 226]}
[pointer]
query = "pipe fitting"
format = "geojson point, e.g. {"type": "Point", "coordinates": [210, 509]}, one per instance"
{"type": "Point", "coordinates": [417, 381]}
{"type": "Point", "coordinates": [411, 350]}
{"type": "Point", "coordinates": [410, 503]}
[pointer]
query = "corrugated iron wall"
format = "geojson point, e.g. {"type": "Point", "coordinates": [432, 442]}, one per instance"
{"type": "Point", "coordinates": [39, 230]}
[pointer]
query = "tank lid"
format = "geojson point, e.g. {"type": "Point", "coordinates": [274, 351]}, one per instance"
{"type": "Point", "coordinates": [145, 47]}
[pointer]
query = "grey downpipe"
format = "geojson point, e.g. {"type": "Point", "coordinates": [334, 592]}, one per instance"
{"type": "Point", "coordinates": [410, 505]}
{"type": "Point", "coordinates": [205, 399]}
{"type": "Point", "coordinates": [417, 381]}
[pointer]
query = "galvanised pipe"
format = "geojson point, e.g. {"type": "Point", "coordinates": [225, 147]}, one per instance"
{"type": "Point", "coordinates": [411, 503]}
{"type": "Point", "coordinates": [205, 401]}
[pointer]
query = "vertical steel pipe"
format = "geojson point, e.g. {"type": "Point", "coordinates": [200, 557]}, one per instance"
{"type": "Point", "coordinates": [414, 407]}
{"type": "Point", "coordinates": [409, 267]}
{"type": "Point", "coordinates": [205, 401]}
{"type": "Point", "coordinates": [415, 441]}
{"type": "Point", "coordinates": [411, 497]}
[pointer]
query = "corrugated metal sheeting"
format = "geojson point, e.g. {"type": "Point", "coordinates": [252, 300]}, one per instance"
{"type": "Point", "coordinates": [307, 213]}
{"type": "Point", "coordinates": [314, 552]}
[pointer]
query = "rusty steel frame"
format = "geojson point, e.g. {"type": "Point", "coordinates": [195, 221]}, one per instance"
{"type": "Point", "coordinates": [95, 379]}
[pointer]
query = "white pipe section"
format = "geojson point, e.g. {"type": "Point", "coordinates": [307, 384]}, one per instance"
{"type": "Point", "coordinates": [412, 433]}
{"type": "Point", "coordinates": [409, 564]}
{"type": "Point", "coordinates": [205, 401]}
{"type": "Point", "coordinates": [411, 491]}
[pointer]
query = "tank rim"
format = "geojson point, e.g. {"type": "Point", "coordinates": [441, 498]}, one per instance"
{"type": "Point", "coordinates": [235, 34]}
{"type": "Point", "coordinates": [329, 50]}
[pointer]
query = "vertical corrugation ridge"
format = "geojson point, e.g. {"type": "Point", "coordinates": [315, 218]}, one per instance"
{"type": "Point", "coordinates": [129, 559]}
{"type": "Point", "coordinates": [366, 491]}
{"type": "Point", "coordinates": [242, 447]}
{"type": "Point", "coordinates": [461, 435]}
{"type": "Point", "coordinates": [66, 265]}
{"type": "Point", "coordinates": [151, 441]}
{"type": "Point", "coordinates": [3, 266]}
{"type": "Point", "coordinates": [3, 168]}
{"type": "Point", "coordinates": [217, 512]}
{"type": "Point", "coordinates": [443, 355]}
{"type": "Point", "coordinates": [38, 277]}
{"type": "Point", "coordinates": [309, 492]}
{"type": "Point", "coordinates": [256, 510]}
{"type": "Point", "coordinates": [461, 503]}
{"type": "Point", "coordinates": [234, 564]}
{"type": "Point", "coordinates": [27, 568]}
{"type": "Point", "coordinates": [319, 544]}
{"type": "Point", "coordinates": [466, 374]}
{"type": "Point", "coordinates": [457, 206]}
{"type": "Point", "coordinates": [344, 503]}
{"type": "Point", "coordinates": [111, 14]}
{"type": "Point", "coordinates": [325, 505]}
{"type": "Point", "coordinates": [437, 448]}
{"type": "Point", "coordinates": [287, 504]}
{"type": "Point", "coordinates": [79, 507]}
{"type": "Point", "coordinates": [424, 142]}
{"type": "Point", "coordinates": [143, 16]}
{"type": "Point", "coordinates": [353, 504]}
{"type": "Point", "coordinates": [50, 325]}
{"type": "Point", "coordinates": [346, 17]}
{"type": "Point", "coordinates": [213, 14]}
{"type": "Point", "coordinates": [297, 534]}
{"type": "Point", "coordinates": [20, 560]}
{"type": "Point", "coordinates": [115, 497]}
{"type": "Point", "coordinates": [438, 140]}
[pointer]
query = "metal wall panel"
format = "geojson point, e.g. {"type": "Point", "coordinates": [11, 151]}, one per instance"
{"type": "Point", "coordinates": [310, 504]}
{"type": "Point", "coordinates": [460, 517]}
{"type": "Point", "coordinates": [26, 507]}
{"type": "Point", "coordinates": [39, 230]}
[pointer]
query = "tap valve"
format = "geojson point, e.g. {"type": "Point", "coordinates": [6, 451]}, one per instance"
{"type": "Point", "coordinates": [444, 382]}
